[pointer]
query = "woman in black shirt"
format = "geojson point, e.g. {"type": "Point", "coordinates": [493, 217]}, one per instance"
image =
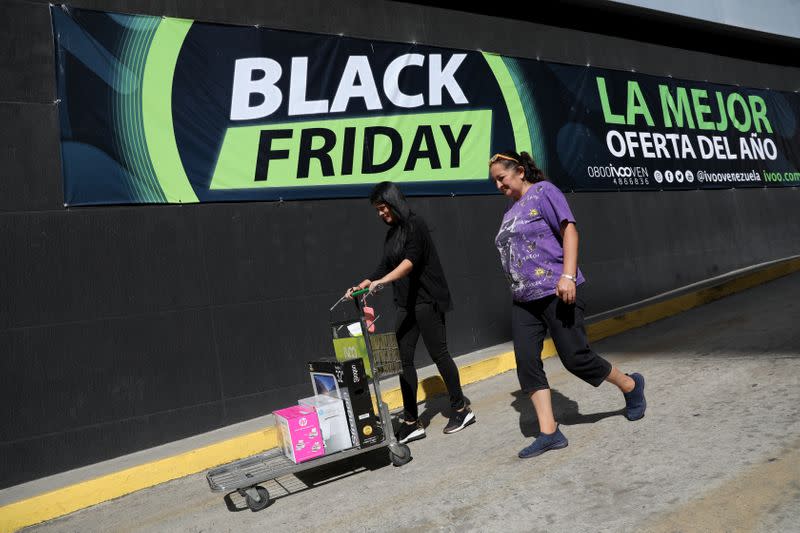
{"type": "Point", "coordinates": [411, 264]}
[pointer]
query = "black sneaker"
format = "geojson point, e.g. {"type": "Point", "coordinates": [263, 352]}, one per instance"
{"type": "Point", "coordinates": [459, 420]}
{"type": "Point", "coordinates": [409, 432]}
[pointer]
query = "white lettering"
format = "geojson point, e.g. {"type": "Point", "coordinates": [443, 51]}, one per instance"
{"type": "Point", "coordinates": [440, 78]}
{"type": "Point", "coordinates": [630, 138]}
{"type": "Point", "coordinates": [770, 149]}
{"type": "Point", "coordinates": [706, 147]}
{"type": "Point", "coordinates": [298, 105]}
{"type": "Point", "coordinates": [356, 66]}
{"type": "Point", "coordinates": [612, 137]}
{"type": "Point", "coordinates": [244, 86]}
{"type": "Point", "coordinates": [391, 81]}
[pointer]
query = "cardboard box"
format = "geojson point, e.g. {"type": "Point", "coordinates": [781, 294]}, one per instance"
{"type": "Point", "coordinates": [347, 348]}
{"type": "Point", "coordinates": [301, 436]}
{"type": "Point", "coordinates": [332, 421]}
{"type": "Point", "coordinates": [348, 380]}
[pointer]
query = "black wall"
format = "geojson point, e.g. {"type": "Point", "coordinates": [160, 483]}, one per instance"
{"type": "Point", "coordinates": [123, 328]}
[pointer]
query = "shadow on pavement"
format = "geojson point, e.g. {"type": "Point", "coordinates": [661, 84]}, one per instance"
{"type": "Point", "coordinates": [437, 403]}
{"type": "Point", "coordinates": [566, 411]}
{"type": "Point", "coordinates": [314, 477]}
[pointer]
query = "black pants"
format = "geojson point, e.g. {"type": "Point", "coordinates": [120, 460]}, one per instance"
{"type": "Point", "coordinates": [530, 321]}
{"type": "Point", "coordinates": [426, 320]}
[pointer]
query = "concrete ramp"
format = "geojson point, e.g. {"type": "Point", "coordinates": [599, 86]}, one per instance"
{"type": "Point", "coordinates": [719, 448]}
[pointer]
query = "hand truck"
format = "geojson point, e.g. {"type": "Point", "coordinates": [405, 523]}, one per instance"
{"type": "Point", "coordinates": [245, 475]}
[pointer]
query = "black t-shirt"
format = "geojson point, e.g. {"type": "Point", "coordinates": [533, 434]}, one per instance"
{"type": "Point", "coordinates": [426, 282]}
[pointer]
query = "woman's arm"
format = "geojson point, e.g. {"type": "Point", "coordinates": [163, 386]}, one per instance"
{"type": "Point", "coordinates": [413, 250]}
{"type": "Point", "coordinates": [566, 287]}
{"type": "Point", "coordinates": [402, 270]}
{"type": "Point", "coordinates": [381, 270]}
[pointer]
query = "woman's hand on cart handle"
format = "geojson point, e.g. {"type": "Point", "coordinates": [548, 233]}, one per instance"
{"type": "Point", "coordinates": [349, 292]}
{"type": "Point", "coordinates": [363, 285]}
{"type": "Point", "coordinates": [376, 286]}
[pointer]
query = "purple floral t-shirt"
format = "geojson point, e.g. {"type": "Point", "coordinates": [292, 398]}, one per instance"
{"type": "Point", "coordinates": [529, 242]}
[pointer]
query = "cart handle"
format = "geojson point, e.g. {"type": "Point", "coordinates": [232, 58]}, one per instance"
{"type": "Point", "coordinates": [364, 292]}
{"type": "Point", "coordinates": [378, 288]}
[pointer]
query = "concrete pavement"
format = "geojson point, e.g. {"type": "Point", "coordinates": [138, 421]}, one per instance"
{"type": "Point", "coordinates": [719, 449]}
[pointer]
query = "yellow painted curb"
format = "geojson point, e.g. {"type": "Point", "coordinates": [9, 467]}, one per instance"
{"type": "Point", "coordinates": [673, 306]}
{"type": "Point", "coordinates": [69, 499]}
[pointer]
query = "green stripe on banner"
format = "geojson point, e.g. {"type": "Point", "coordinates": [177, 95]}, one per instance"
{"type": "Point", "coordinates": [157, 109]}
{"type": "Point", "coordinates": [127, 112]}
{"type": "Point", "coordinates": [126, 81]}
{"type": "Point", "coordinates": [516, 112]}
{"type": "Point", "coordinates": [428, 147]}
{"type": "Point", "coordinates": [146, 31]}
{"type": "Point", "coordinates": [525, 92]}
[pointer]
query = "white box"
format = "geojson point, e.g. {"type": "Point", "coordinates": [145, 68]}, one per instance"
{"type": "Point", "coordinates": [332, 421]}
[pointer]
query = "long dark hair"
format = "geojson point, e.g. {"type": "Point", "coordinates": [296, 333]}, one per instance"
{"type": "Point", "coordinates": [390, 194]}
{"type": "Point", "coordinates": [511, 159]}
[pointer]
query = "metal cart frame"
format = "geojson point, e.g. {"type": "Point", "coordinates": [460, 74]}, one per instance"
{"type": "Point", "coordinates": [245, 475]}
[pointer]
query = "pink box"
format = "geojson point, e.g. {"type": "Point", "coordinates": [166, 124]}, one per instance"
{"type": "Point", "coordinates": [301, 436]}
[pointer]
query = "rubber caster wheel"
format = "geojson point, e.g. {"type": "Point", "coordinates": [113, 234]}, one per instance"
{"type": "Point", "coordinates": [400, 454]}
{"type": "Point", "coordinates": [262, 501]}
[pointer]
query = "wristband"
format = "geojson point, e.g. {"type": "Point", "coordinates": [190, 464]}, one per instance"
{"type": "Point", "coordinates": [573, 279]}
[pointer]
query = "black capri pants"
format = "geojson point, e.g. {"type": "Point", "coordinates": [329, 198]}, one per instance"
{"type": "Point", "coordinates": [530, 322]}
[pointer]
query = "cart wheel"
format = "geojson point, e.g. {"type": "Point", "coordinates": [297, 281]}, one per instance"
{"type": "Point", "coordinates": [400, 454]}
{"type": "Point", "coordinates": [257, 505]}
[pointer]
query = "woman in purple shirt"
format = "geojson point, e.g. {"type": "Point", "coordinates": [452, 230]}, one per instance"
{"type": "Point", "coordinates": [538, 245]}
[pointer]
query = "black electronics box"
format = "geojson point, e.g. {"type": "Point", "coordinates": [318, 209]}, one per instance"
{"type": "Point", "coordinates": [348, 380]}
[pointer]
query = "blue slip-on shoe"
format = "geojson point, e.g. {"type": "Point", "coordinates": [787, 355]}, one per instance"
{"type": "Point", "coordinates": [544, 442]}
{"type": "Point", "coordinates": [635, 404]}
